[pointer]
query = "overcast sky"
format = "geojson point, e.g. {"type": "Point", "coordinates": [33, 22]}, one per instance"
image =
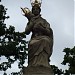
{"type": "Point", "coordinates": [60, 15]}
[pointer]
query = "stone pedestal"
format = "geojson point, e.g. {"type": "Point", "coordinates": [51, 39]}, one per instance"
{"type": "Point", "coordinates": [37, 71]}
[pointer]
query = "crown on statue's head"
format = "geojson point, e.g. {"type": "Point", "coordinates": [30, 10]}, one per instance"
{"type": "Point", "coordinates": [36, 2]}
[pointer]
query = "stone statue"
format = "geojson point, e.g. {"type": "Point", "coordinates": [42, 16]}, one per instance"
{"type": "Point", "coordinates": [40, 46]}
{"type": "Point", "coordinates": [41, 43]}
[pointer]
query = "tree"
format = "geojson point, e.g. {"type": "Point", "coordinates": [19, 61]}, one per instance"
{"type": "Point", "coordinates": [56, 70]}
{"type": "Point", "coordinates": [12, 44]}
{"type": "Point", "coordinates": [69, 58]}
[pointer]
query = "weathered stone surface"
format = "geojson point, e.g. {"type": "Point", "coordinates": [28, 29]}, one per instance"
{"type": "Point", "coordinates": [40, 46]}
{"type": "Point", "coordinates": [37, 71]}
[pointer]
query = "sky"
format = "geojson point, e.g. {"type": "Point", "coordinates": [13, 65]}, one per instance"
{"type": "Point", "coordinates": [60, 15]}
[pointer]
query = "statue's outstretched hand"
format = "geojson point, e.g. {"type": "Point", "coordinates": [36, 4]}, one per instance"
{"type": "Point", "coordinates": [27, 13]}
{"type": "Point", "coordinates": [25, 10]}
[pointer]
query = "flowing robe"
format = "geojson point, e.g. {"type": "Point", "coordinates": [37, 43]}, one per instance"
{"type": "Point", "coordinates": [40, 46]}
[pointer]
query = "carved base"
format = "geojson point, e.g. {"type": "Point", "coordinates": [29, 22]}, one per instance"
{"type": "Point", "coordinates": [37, 71]}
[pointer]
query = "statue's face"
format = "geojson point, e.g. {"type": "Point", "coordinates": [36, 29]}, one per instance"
{"type": "Point", "coordinates": [36, 11]}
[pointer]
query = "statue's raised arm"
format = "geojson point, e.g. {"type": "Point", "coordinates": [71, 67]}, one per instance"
{"type": "Point", "coordinates": [27, 13]}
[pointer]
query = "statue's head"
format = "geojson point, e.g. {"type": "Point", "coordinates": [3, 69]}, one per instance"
{"type": "Point", "coordinates": [36, 10]}
{"type": "Point", "coordinates": [36, 7]}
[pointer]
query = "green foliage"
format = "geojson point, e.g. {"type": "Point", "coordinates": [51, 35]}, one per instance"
{"type": "Point", "coordinates": [56, 70]}
{"type": "Point", "coordinates": [12, 44]}
{"type": "Point", "coordinates": [69, 58]}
